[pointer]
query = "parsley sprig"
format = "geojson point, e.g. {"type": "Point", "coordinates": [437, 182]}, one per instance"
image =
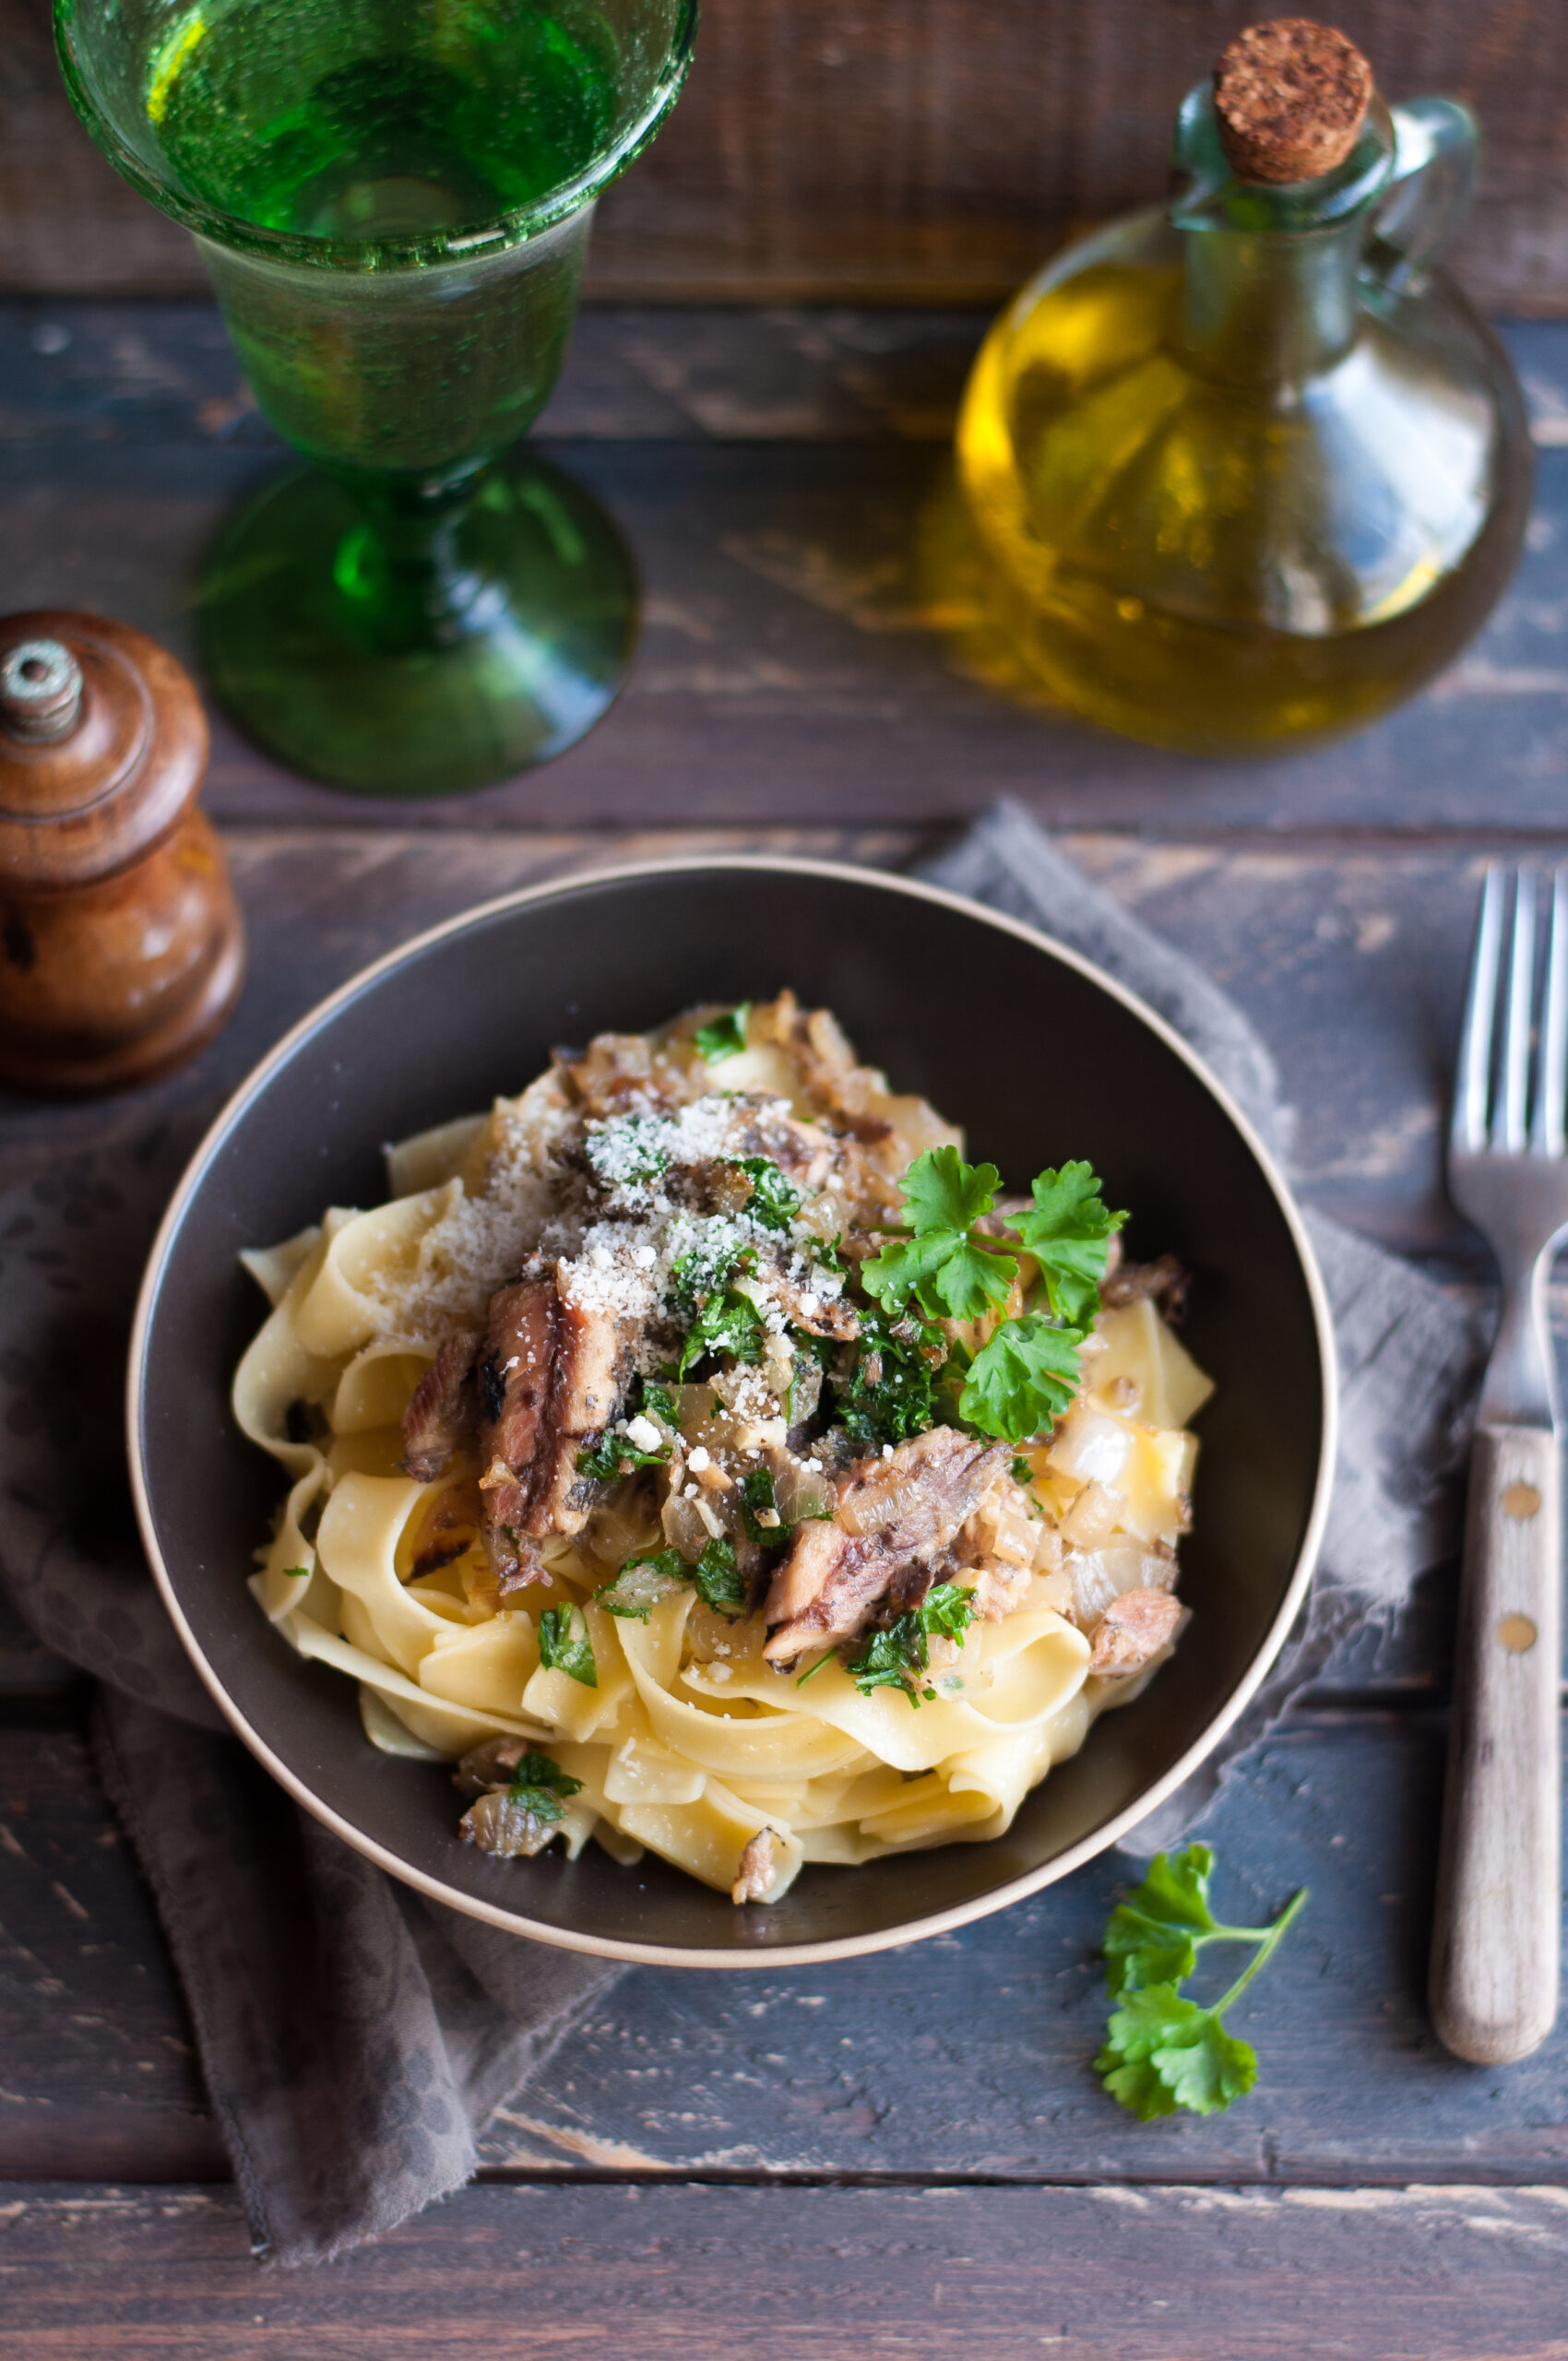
{"type": "Point", "coordinates": [1025, 1376]}
{"type": "Point", "coordinates": [899, 1657]}
{"type": "Point", "coordinates": [1162, 2050]}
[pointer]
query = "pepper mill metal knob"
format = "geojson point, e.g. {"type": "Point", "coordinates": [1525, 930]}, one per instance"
{"type": "Point", "coordinates": [121, 947]}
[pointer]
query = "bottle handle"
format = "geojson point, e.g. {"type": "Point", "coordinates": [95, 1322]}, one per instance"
{"type": "Point", "coordinates": [1436, 145]}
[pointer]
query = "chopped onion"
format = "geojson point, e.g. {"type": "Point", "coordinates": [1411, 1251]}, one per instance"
{"type": "Point", "coordinates": [1091, 1446]}
{"type": "Point", "coordinates": [799, 1492]}
{"type": "Point", "coordinates": [683, 1528]}
{"type": "Point", "coordinates": [1100, 1576]}
{"type": "Point", "coordinates": [1094, 1516]}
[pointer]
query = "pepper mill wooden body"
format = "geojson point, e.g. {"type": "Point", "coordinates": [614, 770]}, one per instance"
{"type": "Point", "coordinates": [121, 947]}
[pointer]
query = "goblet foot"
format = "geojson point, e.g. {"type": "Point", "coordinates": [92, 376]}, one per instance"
{"type": "Point", "coordinates": [534, 640]}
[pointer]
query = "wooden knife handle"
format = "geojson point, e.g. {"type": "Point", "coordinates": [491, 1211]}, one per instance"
{"type": "Point", "coordinates": [1495, 1940]}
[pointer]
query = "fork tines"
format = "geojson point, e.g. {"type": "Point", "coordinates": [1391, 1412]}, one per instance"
{"type": "Point", "coordinates": [1493, 1104]}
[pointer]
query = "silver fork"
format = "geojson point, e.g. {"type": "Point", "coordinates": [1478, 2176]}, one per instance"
{"type": "Point", "coordinates": [1495, 1941]}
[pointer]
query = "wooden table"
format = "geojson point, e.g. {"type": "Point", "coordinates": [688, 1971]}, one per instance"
{"type": "Point", "coordinates": [907, 2154]}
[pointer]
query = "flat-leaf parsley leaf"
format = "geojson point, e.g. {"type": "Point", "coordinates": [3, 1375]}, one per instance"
{"type": "Point", "coordinates": [1023, 1379]}
{"type": "Point", "coordinates": [1162, 2050]}
{"type": "Point", "coordinates": [1068, 1230]}
{"type": "Point", "coordinates": [936, 1258]}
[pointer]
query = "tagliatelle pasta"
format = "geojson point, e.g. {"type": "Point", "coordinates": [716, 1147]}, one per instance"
{"type": "Point", "coordinates": [668, 1454]}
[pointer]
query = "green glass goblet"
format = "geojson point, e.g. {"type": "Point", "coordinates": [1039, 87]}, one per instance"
{"type": "Point", "coordinates": [392, 199]}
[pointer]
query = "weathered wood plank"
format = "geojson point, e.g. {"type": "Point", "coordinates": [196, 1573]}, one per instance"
{"type": "Point", "coordinates": [1156, 2274]}
{"type": "Point", "coordinates": [911, 151]}
{"type": "Point", "coordinates": [791, 667]}
{"type": "Point", "coordinates": [963, 2056]}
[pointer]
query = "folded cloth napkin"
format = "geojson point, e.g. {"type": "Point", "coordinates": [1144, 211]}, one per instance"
{"type": "Point", "coordinates": [354, 2038]}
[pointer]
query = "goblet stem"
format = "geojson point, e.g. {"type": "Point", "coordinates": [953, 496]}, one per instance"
{"type": "Point", "coordinates": [403, 575]}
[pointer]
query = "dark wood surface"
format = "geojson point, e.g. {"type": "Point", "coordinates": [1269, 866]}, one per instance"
{"type": "Point", "coordinates": [885, 151]}
{"type": "Point", "coordinates": [908, 2152]}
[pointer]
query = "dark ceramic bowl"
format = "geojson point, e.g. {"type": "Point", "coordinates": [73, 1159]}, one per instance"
{"type": "Point", "coordinates": [1035, 1052]}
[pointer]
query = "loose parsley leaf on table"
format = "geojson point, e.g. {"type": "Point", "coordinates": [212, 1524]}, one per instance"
{"type": "Point", "coordinates": [775, 1201]}
{"type": "Point", "coordinates": [936, 1258]}
{"type": "Point", "coordinates": [1163, 2050]}
{"type": "Point", "coordinates": [723, 1037]}
{"type": "Point", "coordinates": [561, 1649]}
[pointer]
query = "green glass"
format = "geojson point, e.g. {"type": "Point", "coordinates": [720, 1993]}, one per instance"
{"type": "Point", "coordinates": [392, 199]}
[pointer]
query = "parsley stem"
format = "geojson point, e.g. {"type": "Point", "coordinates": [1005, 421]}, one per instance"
{"type": "Point", "coordinates": [1267, 1946]}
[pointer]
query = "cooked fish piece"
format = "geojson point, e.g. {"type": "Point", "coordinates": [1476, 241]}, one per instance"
{"type": "Point", "coordinates": [895, 1518]}
{"type": "Point", "coordinates": [441, 1409]}
{"type": "Point", "coordinates": [757, 1871]}
{"type": "Point", "coordinates": [1133, 1631]}
{"type": "Point", "coordinates": [1164, 1281]}
{"type": "Point", "coordinates": [549, 1375]}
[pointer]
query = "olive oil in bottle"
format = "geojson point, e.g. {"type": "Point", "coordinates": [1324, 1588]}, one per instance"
{"type": "Point", "coordinates": [1246, 471]}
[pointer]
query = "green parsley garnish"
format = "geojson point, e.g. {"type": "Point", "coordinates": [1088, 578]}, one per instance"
{"type": "Point", "coordinates": [724, 1037]}
{"type": "Point", "coordinates": [894, 1658]}
{"type": "Point", "coordinates": [616, 1456]}
{"type": "Point", "coordinates": [775, 1201]}
{"type": "Point", "coordinates": [1022, 1472]}
{"type": "Point", "coordinates": [541, 1786]}
{"type": "Point", "coordinates": [758, 1499]}
{"type": "Point", "coordinates": [887, 1397]}
{"type": "Point", "coordinates": [1022, 1380]}
{"type": "Point", "coordinates": [937, 1258]}
{"type": "Point", "coordinates": [1068, 1232]}
{"type": "Point", "coordinates": [718, 1581]}
{"type": "Point", "coordinates": [561, 1649]}
{"type": "Point", "coordinates": [643, 1582]}
{"type": "Point", "coordinates": [296, 1573]}
{"type": "Point", "coordinates": [727, 1324]}
{"type": "Point", "coordinates": [1162, 2050]}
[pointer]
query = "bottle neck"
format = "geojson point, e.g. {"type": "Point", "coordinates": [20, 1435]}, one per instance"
{"type": "Point", "coordinates": [1264, 310]}
{"type": "Point", "coordinates": [1270, 279]}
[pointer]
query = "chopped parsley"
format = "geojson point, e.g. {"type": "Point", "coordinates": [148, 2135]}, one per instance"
{"type": "Point", "coordinates": [887, 1395]}
{"type": "Point", "coordinates": [758, 1501]}
{"type": "Point", "coordinates": [296, 1573]}
{"type": "Point", "coordinates": [895, 1658]}
{"type": "Point", "coordinates": [727, 1324]}
{"type": "Point", "coordinates": [562, 1649]}
{"type": "Point", "coordinates": [643, 1582]}
{"type": "Point", "coordinates": [1163, 2050]}
{"type": "Point", "coordinates": [1022, 1472]}
{"type": "Point", "coordinates": [541, 1786]}
{"type": "Point", "coordinates": [723, 1037]}
{"type": "Point", "coordinates": [718, 1581]}
{"type": "Point", "coordinates": [615, 1454]}
{"type": "Point", "coordinates": [706, 1270]}
{"type": "Point", "coordinates": [775, 1201]}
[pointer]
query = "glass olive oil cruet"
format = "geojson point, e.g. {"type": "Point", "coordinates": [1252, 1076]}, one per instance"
{"type": "Point", "coordinates": [1247, 471]}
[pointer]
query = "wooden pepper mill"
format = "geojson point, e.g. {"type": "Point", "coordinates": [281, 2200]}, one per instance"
{"type": "Point", "coordinates": [121, 947]}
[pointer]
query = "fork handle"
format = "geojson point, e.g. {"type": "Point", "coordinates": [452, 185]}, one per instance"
{"type": "Point", "coordinates": [1494, 1957]}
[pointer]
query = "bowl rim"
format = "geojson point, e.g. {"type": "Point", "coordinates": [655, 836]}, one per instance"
{"type": "Point", "coordinates": [765, 1954]}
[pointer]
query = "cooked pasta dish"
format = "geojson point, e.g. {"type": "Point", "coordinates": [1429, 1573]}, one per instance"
{"type": "Point", "coordinates": [700, 1455]}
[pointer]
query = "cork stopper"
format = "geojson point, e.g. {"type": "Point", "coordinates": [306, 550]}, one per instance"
{"type": "Point", "coordinates": [1290, 98]}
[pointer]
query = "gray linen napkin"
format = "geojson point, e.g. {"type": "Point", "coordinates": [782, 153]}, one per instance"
{"type": "Point", "coordinates": [354, 2038]}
